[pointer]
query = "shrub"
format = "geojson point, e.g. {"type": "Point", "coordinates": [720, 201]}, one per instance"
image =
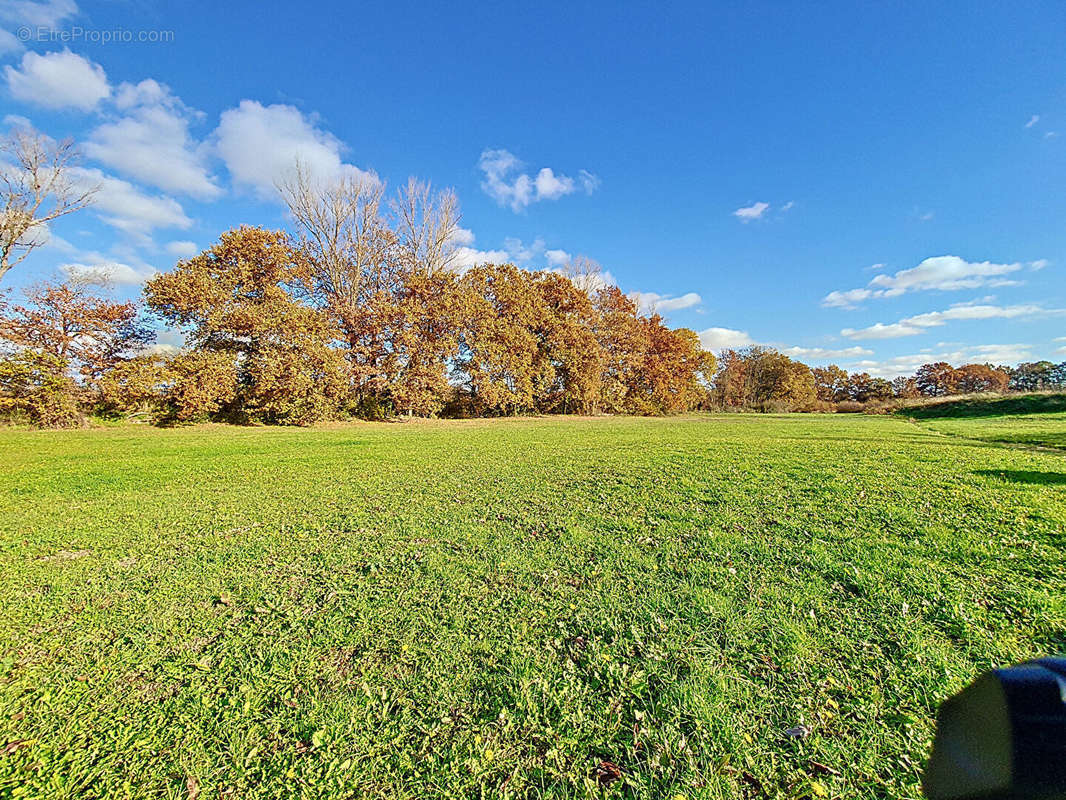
{"type": "Point", "coordinates": [850, 407]}
{"type": "Point", "coordinates": [36, 388]}
{"type": "Point", "coordinates": [136, 386]}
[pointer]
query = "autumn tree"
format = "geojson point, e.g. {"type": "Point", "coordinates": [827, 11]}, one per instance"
{"type": "Point", "coordinates": [623, 343]}
{"type": "Point", "coordinates": [830, 383]}
{"type": "Point", "coordinates": [862, 387]}
{"type": "Point", "coordinates": [500, 364]}
{"type": "Point", "coordinates": [263, 353]}
{"type": "Point", "coordinates": [36, 387]}
{"type": "Point", "coordinates": [567, 340]}
{"type": "Point", "coordinates": [936, 380]}
{"type": "Point", "coordinates": [1032, 376]}
{"type": "Point", "coordinates": [980, 378]}
{"type": "Point", "coordinates": [669, 381]}
{"type": "Point", "coordinates": [74, 323]}
{"type": "Point", "coordinates": [905, 388]}
{"type": "Point", "coordinates": [38, 186]}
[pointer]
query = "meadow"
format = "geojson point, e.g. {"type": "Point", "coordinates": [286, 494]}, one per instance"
{"type": "Point", "coordinates": [691, 607]}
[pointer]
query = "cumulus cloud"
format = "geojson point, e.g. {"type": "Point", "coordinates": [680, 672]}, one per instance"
{"type": "Point", "coordinates": [912, 326]}
{"type": "Point", "coordinates": [752, 212]}
{"type": "Point", "coordinates": [182, 249]}
{"type": "Point", "coordinates": [556, 258]}
{"type": "Point", "coordinates": [507, 185]}
{"type": "Point", "coordinates": [724, 338]}
{"type": "Point", "coordinates": [652, 303]}
{"type": "Point", "coordinates": [58, 80]}
{"type": "Point", "coordinates": [261, 145]}
{"type": "Point", "coordinates": [127, 208]}
{"type": "Point", "coordinates": [152, 143]}
{"type": "Point", "coordinates": [939, 273]}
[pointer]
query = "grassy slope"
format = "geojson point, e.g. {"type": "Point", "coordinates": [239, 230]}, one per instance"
{"type": "Point", "coordinates": [1036, 419]}
{"type": "Point", "coordinates": [453, 608]}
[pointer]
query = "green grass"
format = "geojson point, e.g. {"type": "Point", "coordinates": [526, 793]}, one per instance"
{"type": "Point", "coordinates": [1035, 419]}
{"type": "Point", "coordinates": [494, 608]}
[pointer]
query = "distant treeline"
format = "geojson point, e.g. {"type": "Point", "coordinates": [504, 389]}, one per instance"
{"type": "Point", "coordinates": [764, 379]}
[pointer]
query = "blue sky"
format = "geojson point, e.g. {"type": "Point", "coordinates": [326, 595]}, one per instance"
{"type": "Point", "coordinates": [876, 185]}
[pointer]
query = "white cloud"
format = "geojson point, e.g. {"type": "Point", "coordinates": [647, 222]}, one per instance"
{"type": "Point", "coordinates": [520, 190]}
{"type": "Point", "coordinates": [824, 353]}
{"type": "Point", "coordinates": [17, 13]}
{"type": "Point", "coordinates": [58, 80]}
{"type": "Point", "coordinates": [912, 326]}
{"type": "Point", "coordinates": [979, 354]}
{"type": "Point", "coordinates": [724, 338]}
{"type": "Point", "coordinates": [1039, 264]}
{"type": "Point", "coordinates": [182, 249]}
{"type": "Point", "coordinates": [17, 121]}
{"type": "Point", "coordinates": [941, 273]}
{"type": "Point", "coordinates": [556, 258]}
{"type": "Point", "coordinates": [652, 303]}
{"type": "Point", "coordinates": [462, 236]}
{"type": "Point", "coordinates": [1033, 120]}
{"type": "Point", "coordinates": [111, 273]}
{"type": "Point", "coordinates": [260, 146]}
{"type": "Point", "coordinates": [167, 342]}
{"type": "Point", "coordinates": [846, 299]}
{"type": "Point", "coordinates": [754, 211]}
{"type": "Point", "coordinates": [127, 208]}
{"type": "Point", "coordinates": [880, 330]}
{"type": "Point", "coordinates": [519, 252]}
{"type": "Point", "coordinates": [589, 182]}
{"type": "Point", "coordinates": [46, 14]}
{"type": "Point", "coordinates": [8, 43]}
{"type": "Point", "coordinates": [152, 143]}
{"type": "Point", "coordinates": [788, 206]}
{"type": "Point", "coordinates": [551, 187]}
{"type": "Point", "coordinates": [467, 257]}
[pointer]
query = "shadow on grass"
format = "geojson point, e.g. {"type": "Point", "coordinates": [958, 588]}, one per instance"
{"type": "Point", "coordinates": [987, 406]}
{"type": "Point", "coordinates": [1025, 476]}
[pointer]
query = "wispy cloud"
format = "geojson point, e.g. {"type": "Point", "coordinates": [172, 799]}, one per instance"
{"type": "Point", "coordinates": [912, 326]}
{"type": "Point", "coordinates": [907, 364]}
{"type": "Point", "coordinates": [940, 273]}
{"type": "Point", "coordinates": [1032, 120]}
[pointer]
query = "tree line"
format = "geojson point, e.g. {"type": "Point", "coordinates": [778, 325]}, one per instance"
{"type": "Point", "coordinates": [367, 311]}
{"type": "Point", "coordinates": [765, 379]}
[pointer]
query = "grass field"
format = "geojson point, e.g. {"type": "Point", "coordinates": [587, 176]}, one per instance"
{"type": "Point", "coordinates": [1037, 420]}
{"type": "Point", "coordinates": [545, 608]}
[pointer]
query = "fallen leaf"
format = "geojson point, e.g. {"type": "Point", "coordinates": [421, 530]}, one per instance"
{"type": "Point", "coordinates": [607, 773]}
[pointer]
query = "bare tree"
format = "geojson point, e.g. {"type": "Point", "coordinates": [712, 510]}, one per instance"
{"type": "Point", "coordinates": [37, 188]}
{"type": "Point", "coordinates": [585, 273]}
{"type": "Point", "coordinates": [427, 225]}
{"type": "Point", "coordinates": [344, 232]}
